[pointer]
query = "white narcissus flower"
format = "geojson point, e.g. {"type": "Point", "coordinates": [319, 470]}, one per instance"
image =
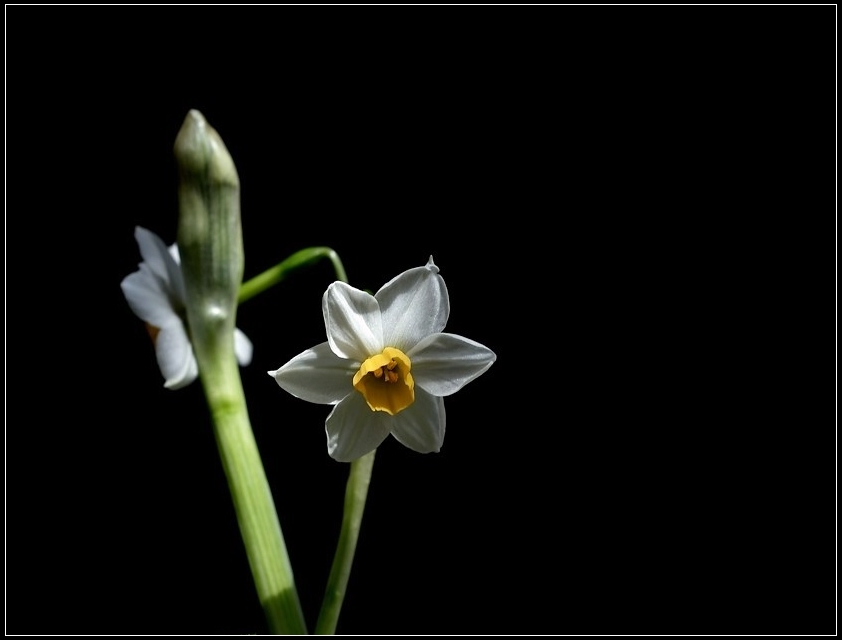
{"type": "Point", "coordinates": [156, 295]}
{"type": "Point", "coordinates": [386, 364]}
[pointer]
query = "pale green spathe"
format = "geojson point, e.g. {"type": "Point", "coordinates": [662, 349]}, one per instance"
{"type": "Point", "coordinates": [210, 241]}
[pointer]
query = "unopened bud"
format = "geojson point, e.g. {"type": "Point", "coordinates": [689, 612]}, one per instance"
{"type": "Point", "coordinates": [210, 238]}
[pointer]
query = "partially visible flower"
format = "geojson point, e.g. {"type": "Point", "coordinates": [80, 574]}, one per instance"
{"type": "Point", "coordinates": [386, 364]}
{"type": "Point", "coordinates": [156, 295]}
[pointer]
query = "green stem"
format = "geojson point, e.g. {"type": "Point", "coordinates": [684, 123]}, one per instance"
{"type": "Point", "coordinates": [210, 245]}
{"type": "Point", "coordinates": [274, 275]}
{"type": "Point", "coordinates": [356, 492]}
{"type": "Point", "coordinates": [255, 509]}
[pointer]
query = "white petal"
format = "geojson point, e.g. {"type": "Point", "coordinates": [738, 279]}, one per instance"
{"type": "Point", "coordinates": [443, 363]}
{"type": "Point", "coordinates": [354, 430]}
{"type": "Point", "coordinates": [152, 250]}
{"type": "Point", "coordinates": [421, 425]}
{"type": "Point", "coordinates": [317, 375]}
{"type": "Point", "coordinates": [159, 259]}
{"type": "Point", "coordinates": [413, 305]}
{"type": "Point", "coordinates": [175, 356]}
{"type": "Point", "coordinates": [177, 275]}
{"type": "Point", "coordinates": [352, 322]}
{"type": "Point", "coordinates": [148, 298]}
{"type": "Point", "coordinates": [242, 348]}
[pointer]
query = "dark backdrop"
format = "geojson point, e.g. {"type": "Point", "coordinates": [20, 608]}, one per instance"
{"type": "Point", "coordinates": [632, 206]}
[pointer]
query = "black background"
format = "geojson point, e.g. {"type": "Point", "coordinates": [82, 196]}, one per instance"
{"type": "Point", "coordinates": [632, 206]}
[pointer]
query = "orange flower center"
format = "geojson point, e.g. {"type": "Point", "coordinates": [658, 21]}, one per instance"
{"type": "Point", "coordinates": [385, 381]}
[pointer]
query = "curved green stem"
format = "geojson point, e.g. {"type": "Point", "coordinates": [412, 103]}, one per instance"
{"type": "Point", "coordinates": [356, 492]}
{"type": "Point", "coordinates": [276, 274]}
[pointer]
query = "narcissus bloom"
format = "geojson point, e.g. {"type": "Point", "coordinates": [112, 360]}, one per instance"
{"type": "Point", "coordinates": [386, 364]}
{"type": "Point", "coordinates": [156, 295]}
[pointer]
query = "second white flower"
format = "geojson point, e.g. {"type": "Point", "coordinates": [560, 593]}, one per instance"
{"type": "Point", "coordinates": [386, 364]}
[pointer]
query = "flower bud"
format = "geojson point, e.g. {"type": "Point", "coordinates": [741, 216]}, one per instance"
{"type": "Point", "coordinates": [210, 238]}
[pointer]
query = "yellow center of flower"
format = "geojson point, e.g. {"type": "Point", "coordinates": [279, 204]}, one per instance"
{"type": "Point", "coordinates": [385, 381]}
